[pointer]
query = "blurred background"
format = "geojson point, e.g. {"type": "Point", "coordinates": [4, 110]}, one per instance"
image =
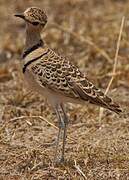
{"type": "Point", "coordinates": [86, 32]}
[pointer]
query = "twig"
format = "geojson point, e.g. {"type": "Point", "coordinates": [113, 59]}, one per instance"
{"type": "Point", "coordinates": [79, 170]}
{"type": "Point", "coordinates": [40, 117]}
{"type": "Point", "coordinates": [115, 63]}
{"type": "Point", "coordinates": [84, 40]}
{"type": "Point", "coordinates": [116, 55]}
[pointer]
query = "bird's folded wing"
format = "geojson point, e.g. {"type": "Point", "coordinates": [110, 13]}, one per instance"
{"type": "Point", "coordinates": [66, 79]}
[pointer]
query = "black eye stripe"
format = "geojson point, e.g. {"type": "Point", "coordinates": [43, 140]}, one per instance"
{"type": "Point", "coordinates": [35, 23]}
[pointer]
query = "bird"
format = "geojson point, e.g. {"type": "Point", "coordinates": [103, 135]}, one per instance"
{"type": "Point", "coordinates": [56, 77]}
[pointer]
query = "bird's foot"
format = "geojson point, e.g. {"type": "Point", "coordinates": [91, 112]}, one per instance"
{"type": "Point", "coordinates": [59, 160]}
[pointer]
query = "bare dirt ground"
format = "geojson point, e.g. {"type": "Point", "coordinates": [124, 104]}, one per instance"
{"type": "Point", "coordinates": [86, 31]}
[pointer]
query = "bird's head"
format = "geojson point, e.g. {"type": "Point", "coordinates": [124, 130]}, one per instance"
{"type": "Point", "coordinates": [34, 17]}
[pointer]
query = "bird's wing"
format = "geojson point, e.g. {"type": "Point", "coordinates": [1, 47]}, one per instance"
{"type": "Point", "coordinates": [59, 75]}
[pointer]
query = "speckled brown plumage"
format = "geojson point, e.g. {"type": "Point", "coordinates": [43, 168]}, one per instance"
{"type": "Point", "coordinates": [56, 77]}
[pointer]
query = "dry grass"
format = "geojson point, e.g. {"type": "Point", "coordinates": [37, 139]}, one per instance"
{"type": "Point", "coordinates": [86, 32]}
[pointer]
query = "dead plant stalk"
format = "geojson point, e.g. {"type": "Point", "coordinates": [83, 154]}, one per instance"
{"type": "Point", "coordinates": [115, 63]}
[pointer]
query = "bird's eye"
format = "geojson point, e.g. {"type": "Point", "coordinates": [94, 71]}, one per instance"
{"type": "Point", "coordinates": [35, 23]}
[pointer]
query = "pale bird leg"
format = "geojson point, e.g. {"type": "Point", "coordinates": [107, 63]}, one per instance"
{"type": "Point", "coordinates": [65, 131]}
{"type": "Point", "coordinates": [63, 121]}
{"type": "Point", "coordinates": [61, 127]}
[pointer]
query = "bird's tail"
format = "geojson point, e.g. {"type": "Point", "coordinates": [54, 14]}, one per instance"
{"type": "Point", "coordinates": [115, 108]}
{"type": "Point", "coordinates": [108, 103]}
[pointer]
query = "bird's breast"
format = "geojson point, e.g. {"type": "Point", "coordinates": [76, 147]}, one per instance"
{"type": "Point", "coordinates": [32, 83]}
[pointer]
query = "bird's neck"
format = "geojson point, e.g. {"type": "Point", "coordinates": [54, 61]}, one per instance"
{"type": "Point", "coordinates": [33, 42]}
{"type": "Point", "coordinates": [32, 38]}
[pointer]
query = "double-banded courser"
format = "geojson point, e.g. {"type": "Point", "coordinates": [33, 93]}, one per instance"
{"type": "Point", "coordinates": [55, 77]}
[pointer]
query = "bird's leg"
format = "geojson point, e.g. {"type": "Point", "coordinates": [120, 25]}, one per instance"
{"type": "Point", "coordinates": [61, 127]}
{"type": "Point", "coordinates": [65, 120]}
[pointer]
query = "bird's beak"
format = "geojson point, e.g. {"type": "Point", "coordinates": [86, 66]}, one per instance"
{"type": "Point", "coordinates": [20, 15]}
